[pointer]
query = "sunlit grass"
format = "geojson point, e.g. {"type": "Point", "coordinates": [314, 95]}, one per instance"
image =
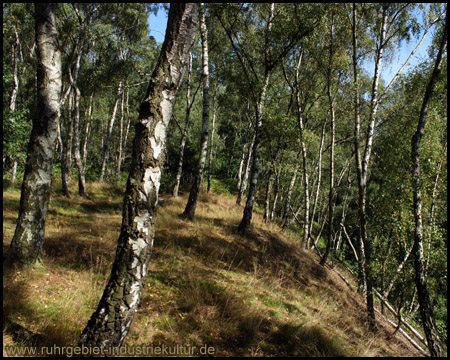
{"type": "Point", "coordinates": [251, 296]}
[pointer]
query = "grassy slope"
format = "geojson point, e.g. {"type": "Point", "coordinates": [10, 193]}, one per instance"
{"type": "Point", "coordinates": [254, 295]}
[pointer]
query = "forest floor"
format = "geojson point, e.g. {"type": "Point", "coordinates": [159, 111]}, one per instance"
{"type": "Point", "coordinates": [209, 290]}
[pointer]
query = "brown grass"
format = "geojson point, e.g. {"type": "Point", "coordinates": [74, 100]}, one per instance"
{"type": "Point", "coordinates": [258, 295]}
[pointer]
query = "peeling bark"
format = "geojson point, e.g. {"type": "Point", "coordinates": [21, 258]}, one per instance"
{"type": "Point", "coordinates": [110, 323]}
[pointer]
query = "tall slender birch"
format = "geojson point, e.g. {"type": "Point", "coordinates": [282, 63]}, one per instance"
{"type": "Point", "coordinates": [248, 210]}
{"type": "Point", "coordinates": [185, 131]}
{"type": "Point", "coordinates": [426, 309]}
{"type": "Point", "coordinates": [332, 131]}
{"type": "Point", "coordinates": [189, 211]}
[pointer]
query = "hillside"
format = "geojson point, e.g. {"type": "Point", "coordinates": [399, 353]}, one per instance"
{"type": "Point", "coordinates": [252, 296]}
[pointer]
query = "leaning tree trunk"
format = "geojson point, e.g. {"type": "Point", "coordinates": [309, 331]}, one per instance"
{"type": "Point", "coordinates": [426, 309]}
{"type": "Point", "coordinates": [28, 239]}
{"type": "Point", "coordinates": [111, 322]}
{"type": "Point", "coordinates": [191, 205]}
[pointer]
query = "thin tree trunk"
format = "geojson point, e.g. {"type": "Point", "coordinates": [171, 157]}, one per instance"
{"type": "Point", "coordinates": [14, 172]}
{"type": "Point", "coordinates": [119, 156]}
{"type": "Point", "coordinates": [66, 161]}
{"type": "Point", "coordinates": [125, 141]}
{"type": "Point", "coordinates": [185, 132]}
{"type": "Point", "coordinates": [332, 130]}
{"type": "Point", "coordinates": [241, 165]}
{"type": "Point", "coordinates": [306, 227]}
{"type": "Point", "coordinates": [248, 210]}
{"type": "Point", "coordinates": [77, 154]}
{"type": "Point", "coordinates": [361, 263]}
{"type": "Point", "coordinates": [365, 167]}
{"type": "Point", "coordinates": [89, 118]}
{"type": "Point", "coordinates": [426, 308]}
{"type": "Point", "coordinates": [107, 143]}
{"type": "Point", "coordinates": [211, 142]}
{"type": "Point", "coordinates": [189, 211]}
{"type": "Point", "coordinates": [28, 239]}
{"type": "Point", "coordinates": [268, 193]}
{"type": "Point", "coordinates": [110, 323]}
{"type": "Point", "coordinates": [275, 195]}
{"type": "Point", "coordinates": [15, 90]}
{"type": "Point", "coordinates": [344, 209]}
{"type": "Point", "coordinates": [287, 203]}
{"type": "Point", "coordinates": [244, 181]}
{"type": "Point", "coordinates": [319, 178]}
{"type": "Point", "coordinates": [76, 126]}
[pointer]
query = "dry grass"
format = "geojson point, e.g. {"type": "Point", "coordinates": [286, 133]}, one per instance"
{"type": "Point", "coordinates": [251, 296]}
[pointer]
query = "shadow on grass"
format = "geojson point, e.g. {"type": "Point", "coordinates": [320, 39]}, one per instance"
{"type": "Point", "coordinates": [261, 248]}
{"type": "Point", "coordinates": [16, 309]}
{"type": "Point", "coordinates": [203, 310]}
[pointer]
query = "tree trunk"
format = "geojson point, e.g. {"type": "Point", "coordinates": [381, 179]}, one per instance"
{"type": "Point", "coordinates": [89, 118]}
{"type": "Point", "coordinates": [426, 309]}
{"type": "Point", "coordinates": [119, 156]}
{"type": "Point", "coordinates": [244, 181]}
{"type": "Point", "coordinates": [276, 193]}
{"type": "Point", "coordinates": [15, 90]}
{"type": "Point", "coordinates": [109, 132]}
{"type": "Point", "coordinates": [306, 227]}
{"type": "Point", "coordinates": [185, 132]}
{"type": "Point", "coordinates": [332, 130]}
{"type": "Point", "coordinates": [287, 203]}
{"type": "Point", "coordinates": [248, 211]}
{"type": "Point", "coordinates": [66, 157]}
{"type": "Point", "coordinates": [28, 239]}
{"type": "Point", "coordinates": [361, 263]}
{"type": "Point", "coordinates": [111, 322]}
{"type": "Point", "coordinates": [77, 153]}
{"type": "Point", "coordinates": [76, 126]}
{"type": "Point", "coordinates": [268, 192]}
{"type": "Point", "coordinates": [241, 165]}
{"type": "Point", "coordinates": [211, 142]}
{"type": "Point", "coordinates": [189, 211]}
{"type": "Point", "coordinates": [319, 178]}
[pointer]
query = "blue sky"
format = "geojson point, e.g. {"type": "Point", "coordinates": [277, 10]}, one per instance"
{"type": "Point", "coordinates": [157, 26]}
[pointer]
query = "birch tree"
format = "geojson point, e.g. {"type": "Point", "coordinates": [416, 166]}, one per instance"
{"type": "Point", "coordinates": [28, 239]}
{"type": "Point", "coordinates": [110, 323]}
{"type": "Point", "coordinates": [426, 310]}
{"type": "Point", "coordinates": [191, 205]}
